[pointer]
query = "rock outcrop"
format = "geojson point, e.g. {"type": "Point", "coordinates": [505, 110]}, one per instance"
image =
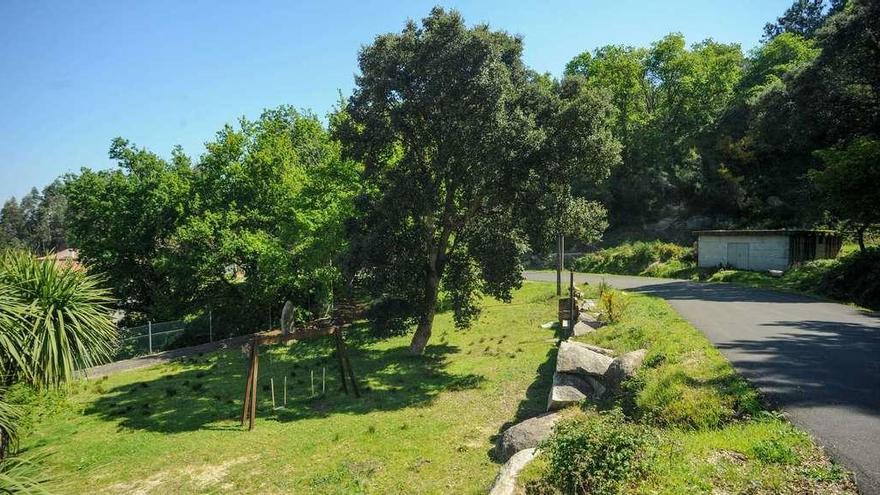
{"type": "Point", "coordinates": [570, 388]}
{"type": "Point", "coordinates": [505, 482]}
{"type": "Point", "coordinates": [624, 367]}
{"type": "Point", "coordinates": [574, 357]}
{"type": "Point", "coordinates": [590, 319]}
{"type": "Point", "coordinates": [525, 435]}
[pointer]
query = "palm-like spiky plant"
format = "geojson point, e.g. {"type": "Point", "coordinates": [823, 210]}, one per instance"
{"type": "Point", "coordinates": [66, 322]}
{"type": "Point", "coordinates": [23, 476]}
{"type": "Point", "coordinates": [12, 335]}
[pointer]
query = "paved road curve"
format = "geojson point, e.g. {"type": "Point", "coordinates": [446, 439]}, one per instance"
{"type": "Point", "coordinates": [818, 361]}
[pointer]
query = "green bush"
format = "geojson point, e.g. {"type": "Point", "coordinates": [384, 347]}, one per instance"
{"type": "Point", "coordinates": [654, 258]}
{"type": "Point", "coordinates": [613, 305]}
{"type": "Point", "coordinates": [593, 453]}
{"type": "Point", "coordinates": [855, 278]}
{"type": "Point", "coordinates": [774, 452]}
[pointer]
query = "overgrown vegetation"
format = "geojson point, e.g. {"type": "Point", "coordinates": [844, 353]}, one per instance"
{"type": "Point", "coordinates": [853, 277]}
{"type": "Point", "coordinates": [703, 426]}
{"type": "Point", "coordinates": [594, 453]}
{"type": "Point", "coordinates": [650, 259]}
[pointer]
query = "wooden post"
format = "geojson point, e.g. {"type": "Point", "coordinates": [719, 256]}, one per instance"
{"type": "Point", "coordinates": [245, 408]}
{"type": "Point", "coordinates": [337, 334]}
{"type": "Point", "coordinates": [272, 386]}
{"type": "Point", "coordinates": [354, 386]}
{"type": "Point", "coordinates": [253, 404]}
{"type": "Point", "coordinates": [285, 390]}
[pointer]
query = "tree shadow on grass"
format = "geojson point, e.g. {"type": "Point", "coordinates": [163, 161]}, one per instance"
{"type": "Point", "coordinates": [205, 392]}
{"type": "Point", "coordinates": [535, 401]}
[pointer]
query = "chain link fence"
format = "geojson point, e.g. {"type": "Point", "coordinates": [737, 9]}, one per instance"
{"type": "Point", "coordinates": [162, 336]}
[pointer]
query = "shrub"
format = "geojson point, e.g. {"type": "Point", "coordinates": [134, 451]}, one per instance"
{"type": "Point", "coordinates": [613, 304]}
{"type": "Point", "coordinates": [593, 453]}
{"type": "Point", "coordinates": [855, 277]}
{"type": "Point", "coordinates": [774, 452]}
{"type": "Point", "coordinates": [66, 323]}
{"type": "Point", "coordinates": [655, 258]}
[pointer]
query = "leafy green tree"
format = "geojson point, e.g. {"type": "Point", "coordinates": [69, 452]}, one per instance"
{"type": "Point", "coordinates": [803, 18]}
{"type": "Point", "coordinates": [270, 201]}
{"type": "Point", "coordinates": [123, 222]}
{"type": "Point", "coordinates": [849, 184]}
{"type": "Point", "coordinates": [669, 100]}
{"type": "Point", "coordinates": [258, 220]}
{"type": "Point", "coordinates": [454, 133]}
{"type": "Point", "coordinates": [12, 224]}
{"type": "Point", "coordinates": [828, 97]}
{"type": "Point", "coordinates": [36, 222]}
{"type": "Point", "coordinates": [768, 64]}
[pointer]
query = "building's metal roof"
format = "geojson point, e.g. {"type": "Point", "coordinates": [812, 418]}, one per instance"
{"type": "Point", "coordinates": [767, 232]}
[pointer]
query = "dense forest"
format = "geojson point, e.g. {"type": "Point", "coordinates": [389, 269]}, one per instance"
{"type": "Point", "coordinates": [783, 136]}
{"type": "Point", "coordinates": [667, 138]}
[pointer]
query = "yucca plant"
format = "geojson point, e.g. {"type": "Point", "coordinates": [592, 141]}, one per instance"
{"type": "Point", "coordinates": [12, 333]}
{"type": "Point", "coordinates": [66, 321]}
{"type": "Point", "coordinates": [23, 476]}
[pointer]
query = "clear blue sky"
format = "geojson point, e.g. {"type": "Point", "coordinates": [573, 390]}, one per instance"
{"type": "Point", "coordinates": [75, 74]}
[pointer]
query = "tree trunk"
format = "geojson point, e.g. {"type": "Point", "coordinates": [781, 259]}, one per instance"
{"type": "Point", "coordinates": [860, 235]}
{"type": "Point", "coordinates": [426, 321]}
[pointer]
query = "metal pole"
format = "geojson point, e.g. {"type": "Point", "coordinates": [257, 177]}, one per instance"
{"type": "Point", "coordinates": [572, 315]}
{"type": "Point", "coordinates": [150, 335]}
{"type": "Point", "coordinates": [562, 252]}
{"type": "Point", "coordinates": [558, 265]}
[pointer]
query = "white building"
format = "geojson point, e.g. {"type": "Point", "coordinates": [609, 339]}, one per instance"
{"type": "Point", "coordinates": [764, 249]}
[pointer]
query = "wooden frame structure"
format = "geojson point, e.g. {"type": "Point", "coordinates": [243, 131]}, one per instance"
{"type": "Point", "coordinates": [249, 407]}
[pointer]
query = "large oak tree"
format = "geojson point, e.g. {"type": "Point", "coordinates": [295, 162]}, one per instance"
{"type": "Point", "coordinates": [467, 155]}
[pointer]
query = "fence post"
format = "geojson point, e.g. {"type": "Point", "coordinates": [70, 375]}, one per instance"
{"type": "Point", "coordinates": [210, 326]}
{"type": "Point", "coordinates": [150, 335]}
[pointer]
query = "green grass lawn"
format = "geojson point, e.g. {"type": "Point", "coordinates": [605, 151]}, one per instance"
{"type": "Point", "coordinates": [424, 424]}
{"type": "Point", "coordinates": [713, 433]}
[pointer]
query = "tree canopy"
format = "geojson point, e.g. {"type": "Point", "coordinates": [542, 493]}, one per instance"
{"type": "Point", "coordinates": [257, 220]}
{"type": "Point", "coordinates": [461, 143]}
{"type": "Point", "coordinates": [37, 222]}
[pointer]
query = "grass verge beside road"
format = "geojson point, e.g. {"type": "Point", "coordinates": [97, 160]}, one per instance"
{"type": "Point", "coordinates": [853, 277]}
{"type": "Point", "coordinates": [711, 433]}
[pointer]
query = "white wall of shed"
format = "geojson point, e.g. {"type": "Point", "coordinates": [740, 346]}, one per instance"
{"type": "Point", "coordinates": [766, 252]}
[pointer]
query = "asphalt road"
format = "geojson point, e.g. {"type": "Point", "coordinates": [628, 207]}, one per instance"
{"type": "Point", "coordinates": [817, 361]}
